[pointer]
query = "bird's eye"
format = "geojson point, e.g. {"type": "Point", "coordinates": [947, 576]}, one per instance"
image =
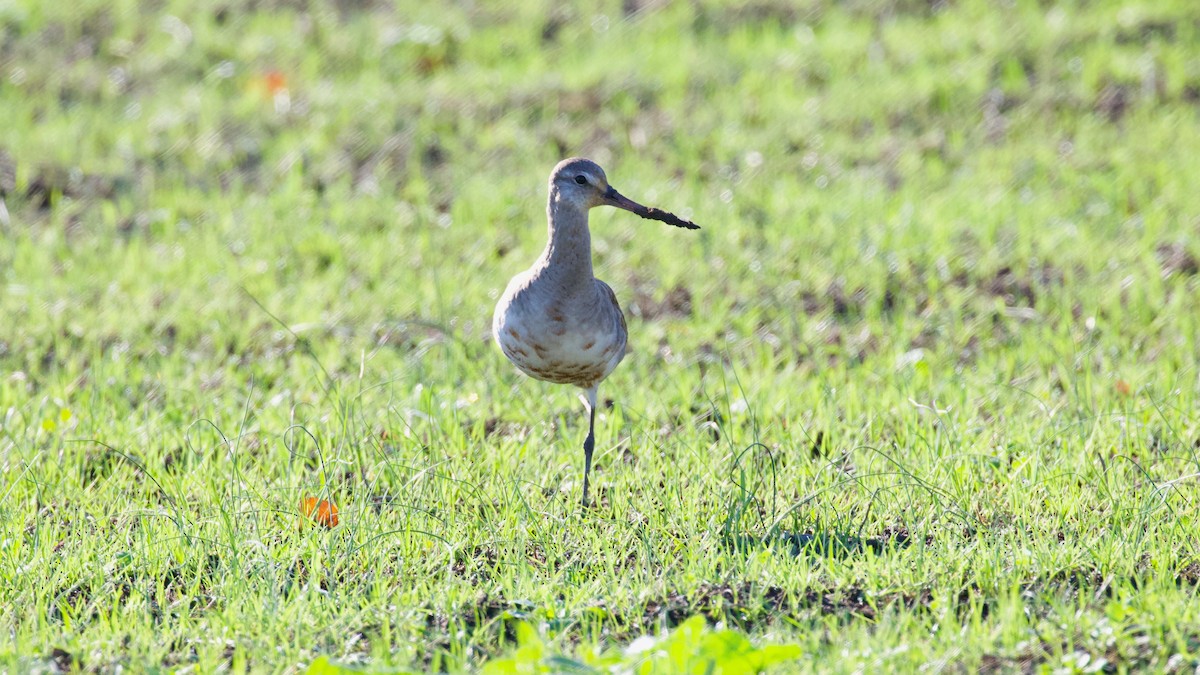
{"type": "Point", "coordinates": [581, 179]}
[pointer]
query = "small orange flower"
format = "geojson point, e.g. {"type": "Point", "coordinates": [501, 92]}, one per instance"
{"type": "Point", "coordinates": [1123, 388]}
{"type": "Point", "coordinates": [275, 82]}
{"type": "Point", "coordinates": [326, 512]}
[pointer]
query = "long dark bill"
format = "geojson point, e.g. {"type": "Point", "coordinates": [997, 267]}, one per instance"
{"type": "Point", "coordinates": [614, 198]}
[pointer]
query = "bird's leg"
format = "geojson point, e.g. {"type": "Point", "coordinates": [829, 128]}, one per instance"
{"type": "Point", "coordinates": [589, 443]}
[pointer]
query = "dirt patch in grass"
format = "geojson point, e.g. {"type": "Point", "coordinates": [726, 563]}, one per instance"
{"type": "Point", "coordinates": [64, 661]}
{"type": "Point", "coordinates": [837, 299]}
{"type": "Point", "coordinates": [742, 604]}
{"type": "Point", "coordinates": [756, 12]}
{"type": "Point", "coordinates": [478, 565]}
{"type": "Point", "coordinates": [1113, 101]}
{"type": "Point", "coordinates": [1022, 289]}
{"type": "Point", "coordinates": [1175, 258]}
{"type": "Point", "coordinates": [490, 616]}
{"type": "Point", "coordinates": [500, 428]}
{"type": "Point", "coordinates": [677, 303]}
{"type": "Point", "coordinates": [53, 182]}
{"type": "Point", "coordinates": [750, 606]}
{"type": "Point", "coordinates": [1189, 575]}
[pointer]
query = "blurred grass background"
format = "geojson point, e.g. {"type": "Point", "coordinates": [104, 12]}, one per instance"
{"type": "Point", "coordinates": [944, 296]}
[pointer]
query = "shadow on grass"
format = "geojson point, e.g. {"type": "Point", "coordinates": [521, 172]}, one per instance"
{"type": "Point", "coordinates": [832, 544]}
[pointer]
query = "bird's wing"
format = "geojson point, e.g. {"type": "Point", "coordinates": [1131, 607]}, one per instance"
{"type": "Point", "coordinates": [616, 308]}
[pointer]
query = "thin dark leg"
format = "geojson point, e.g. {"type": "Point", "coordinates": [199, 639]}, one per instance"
{"type": "Point", "coordinates": [589, 444]}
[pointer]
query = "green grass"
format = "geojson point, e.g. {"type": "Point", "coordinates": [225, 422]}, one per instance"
{"type": "Point", "coordinates": [941, 318]}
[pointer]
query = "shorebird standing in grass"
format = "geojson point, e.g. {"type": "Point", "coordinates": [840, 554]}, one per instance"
{"type": "Point", "coordinates": [556, 322]}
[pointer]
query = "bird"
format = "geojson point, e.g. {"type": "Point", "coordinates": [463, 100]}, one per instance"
{"type": "Point", "coordinates": [556, 321]}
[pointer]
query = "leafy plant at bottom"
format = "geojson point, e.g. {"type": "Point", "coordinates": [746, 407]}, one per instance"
{"type": "Point", "coordinates": [692, 647]}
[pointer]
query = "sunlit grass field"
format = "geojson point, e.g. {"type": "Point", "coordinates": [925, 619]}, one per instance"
{"type": "Point", "coordinates": [922, 393]}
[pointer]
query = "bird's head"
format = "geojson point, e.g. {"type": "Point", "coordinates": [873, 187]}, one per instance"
{"type": "Point", "coordinates": [582, 184]}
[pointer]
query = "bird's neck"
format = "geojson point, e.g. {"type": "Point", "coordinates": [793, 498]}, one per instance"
{"type": "Point", "coordinates": [568, 254]}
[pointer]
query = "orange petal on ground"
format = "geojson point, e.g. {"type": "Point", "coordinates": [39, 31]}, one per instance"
{"type": "Point", "coordinates": [327, 514]}
{"type": "Point", "coordinates": [323, 512]}
{"type": "Point", "coordinates": [275, 81]}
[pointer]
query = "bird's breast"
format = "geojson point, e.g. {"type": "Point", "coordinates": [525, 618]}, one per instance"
{"type": "Point", "coordinates": [564, 340]}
